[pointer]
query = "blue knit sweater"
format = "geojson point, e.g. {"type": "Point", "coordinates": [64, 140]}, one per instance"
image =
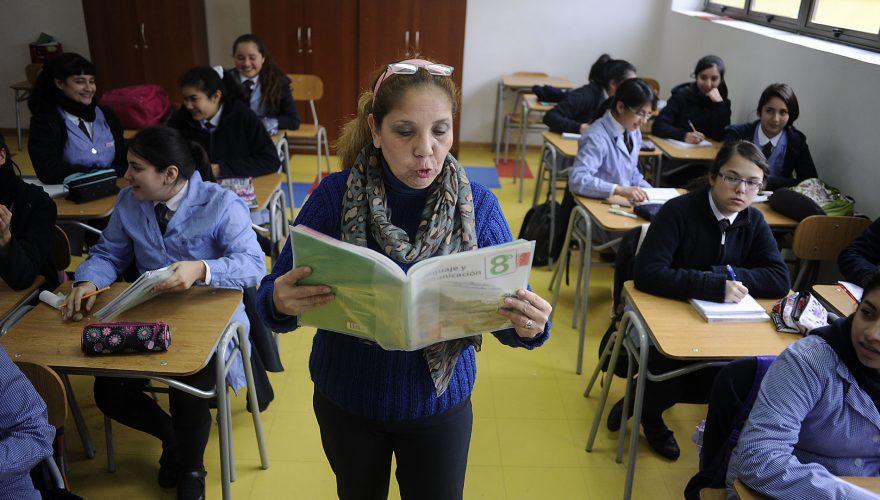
{"type": "Point", "coordinates": [363, 378]}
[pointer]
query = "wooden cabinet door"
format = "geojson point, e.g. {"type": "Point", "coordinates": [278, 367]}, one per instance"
{"type": "Point", "coordinates": [386, 34]}
{"type": "Point", "coordinates": [175, 39]}
{"type": "Point", "coordinates": [114, 43]}
{"type": "Point", "coordinates": [281, 26]}
{"type": "Point", "coordinates": [331, 53]}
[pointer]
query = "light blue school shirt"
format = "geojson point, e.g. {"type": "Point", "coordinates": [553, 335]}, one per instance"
{"type": "Point", "coordinates": [211, 224]}
{"type": "Point", "coordinates": [603, 162]}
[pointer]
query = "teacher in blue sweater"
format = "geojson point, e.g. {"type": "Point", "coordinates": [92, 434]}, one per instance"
{"type": "Point", "coordinates": [709, 244]}
{"type": "Point", "coordinates": [403, 194]}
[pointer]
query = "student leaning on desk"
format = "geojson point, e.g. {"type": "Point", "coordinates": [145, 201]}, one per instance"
{"type": "Point", "coordinates": [708, 244]}
{"type": "Point", "coordinates": [816, 417]}
{"type": "Point", "coordinates": [27, 218]}
{"type": "Point", "coordinates": [169, 216]}
{"type": "Point", "coordinates": [697, 110]}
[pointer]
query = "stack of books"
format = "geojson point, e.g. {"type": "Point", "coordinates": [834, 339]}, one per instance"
{"type": "Point", "coordinates": [745, 311]}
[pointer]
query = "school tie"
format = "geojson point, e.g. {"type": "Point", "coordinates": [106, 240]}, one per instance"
{"type": "Point", "coordinates": [724, 224]}
{"type": "Point", "coordinates": [163, 215]}
{"type": "Point", "coordinates": [85, 130]}
{"type": "Point", "coordinates": [248, 89]}
{"type": "Point", "coordinates": [209, 127]}
{"type": "Point", "coordinates": [627, 140]}
{"type": "Point", "coordinates": [767, 149]}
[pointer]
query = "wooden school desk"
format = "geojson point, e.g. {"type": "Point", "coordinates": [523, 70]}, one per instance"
{"type": "Point", "coordinates": [271, 197]}
{"type": "Point", "coordinates": [679, 332]}
{"type": "Point", "coordinates": [519, 84]}
{"type": "Point", "coordinates": [21, 92]}
{"type": "Point", "coordinates": [871, 484]}
{"type": "Point", "coordinates": [530, 104]}
{"type": "Point", "coordinates": [201, 328]}
{"type": "Point", "coordinates": [12, 300]}
{"type": "Point", "coordinates": [835, 299]}
{"type": "Point", "coordinates": [688, 156]}
{"type": "Point", "coordinates": [73, 214]}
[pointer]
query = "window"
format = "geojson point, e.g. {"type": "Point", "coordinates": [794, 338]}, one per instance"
{"type": "Point", "coordinates": [853, 22]}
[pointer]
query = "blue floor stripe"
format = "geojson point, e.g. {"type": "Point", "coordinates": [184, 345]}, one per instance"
{"type": "Point", "coordinates": [486, 176]}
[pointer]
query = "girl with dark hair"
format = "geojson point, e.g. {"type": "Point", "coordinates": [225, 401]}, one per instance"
{"type": "Point", "coordinates": [784, 146]}
{"type": "Point", "coordinates": [708, 244]}
{"type": "Point", "coordinates": [697, 110]}
{"type": "Point", "coordinates": [169, 216]}
{"type": "Point", "coordinates": [265, 86]}
{"type": "Point", "coordinates": [27, 218]}
{"type": "Point", "coordinates": [69, 132]}
{"type": "Point", "coordinates": [400, 193]}
{"type": "Point", "coordinates": [815, 418]}
{"type": "Point", "coordinates": [580, 107]}
{"type": "Point", "coordinates": [215, 116]}
{"type": "Point", "coordinates": [607, 162]}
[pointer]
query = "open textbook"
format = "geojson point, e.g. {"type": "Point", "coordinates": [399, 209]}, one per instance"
{"type": "Point", "coordinates": [748, 310]}
{"type": "Point", "coordinates": [440, 298]}
{"type": "Point", "coordinates": [137, 293]}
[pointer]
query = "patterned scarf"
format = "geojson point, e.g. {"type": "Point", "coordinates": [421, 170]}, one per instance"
{"type": "Point", "coordinates": [447, 226]}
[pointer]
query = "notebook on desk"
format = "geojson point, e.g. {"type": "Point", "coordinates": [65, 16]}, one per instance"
{"type": "Point", "coordinates": [686, 145]}
{"type": "Point", "coordinates": [748, 310]}
{"type": "Point", "coordinates": [53, 190]}
{"type": "Point", "coordinates": [137, 293]}
{"type": "Point", "coordinates": [854, 291]}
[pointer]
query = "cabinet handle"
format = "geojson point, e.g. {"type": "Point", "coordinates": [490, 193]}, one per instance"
{"type": "Point", "coordinates": [144, 37]}
{"type": "Point", "coordinates": [299, 39]}
{"type": "Point", "coordinates": [406, 43]}
{"type": "Point", "coordinates": [417, 45]}
{"type": "Point", "coordinates": [309, 38]}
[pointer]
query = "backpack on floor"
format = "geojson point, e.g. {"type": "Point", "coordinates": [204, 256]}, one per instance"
{"type": "Point", "coordinates": [137, 106]}
{"type": "Point", "coordinates": [536, 227]}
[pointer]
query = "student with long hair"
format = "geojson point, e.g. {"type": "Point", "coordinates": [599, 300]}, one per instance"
{"type": "Point", "coordinates": [169, 216]}
{"type": "Point", "coordinates": [69, 132]}
{"type": "Point", "coordinates": [266, 88]}
{"type": "Point", "coordinates": [699, 109]}
{"type": "Point", "coordinates": [215, 116]}
{"type": "Point", "coordinates": [774, 133]}
{"type": "Point", "coordinates": [581, 107]}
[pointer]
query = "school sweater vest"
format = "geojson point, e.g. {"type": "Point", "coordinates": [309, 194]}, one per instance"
{"type": "Point", "coordinates": [97, 151]}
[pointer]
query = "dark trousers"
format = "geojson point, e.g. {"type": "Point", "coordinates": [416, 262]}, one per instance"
{"type": "Point", "coordinates": [693, 388]}
{"type": "Point", "coordinates": [431, 452]}
{"type": "Point", "coordinates": [184, 434]}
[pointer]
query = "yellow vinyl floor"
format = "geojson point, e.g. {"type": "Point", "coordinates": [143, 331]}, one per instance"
{"type": "Point", "coordinates": [530, 416]}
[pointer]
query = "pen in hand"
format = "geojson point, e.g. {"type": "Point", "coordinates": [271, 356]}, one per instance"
{"type": "Point", "coordinates": [694, 129]}
{"type": "Point", "coordinates": [731, 273]}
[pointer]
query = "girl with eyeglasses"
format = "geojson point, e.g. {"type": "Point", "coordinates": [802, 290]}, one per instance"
{"type": "Point", "coordinates": [815, 418]}
{"type": "Point", "coordinates": [400, 193]}
{"type": "Point", "coordinates": [266, 88]}
{"type": "Point", "coordinates": [697, 110]}
{"type": "Point", "coordinates": [774, 133]}
{"type": "Point", "coordinates": [607, 162]}
{"type": "Point", "coordinates": [708, 244]}
{"type": "Point", "coordinates": [215, 116]}
{"type": "Point", "coordinates": [580, 107]}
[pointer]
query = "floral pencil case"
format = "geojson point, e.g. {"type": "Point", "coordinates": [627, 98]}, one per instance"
{"type": "Point", "coordinates": [115, 338]}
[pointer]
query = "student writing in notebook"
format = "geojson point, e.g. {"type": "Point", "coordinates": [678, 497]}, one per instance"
{"type": "Point", "coordinates": [169, 216]}
{"type": "Point", "coordinates": [266, 88]}
{"type": "Point", "coordinates": [784, 146]}
{"type": "Point", "coordinates": [69, 132]}
{"type": "Point", "coordinates": [400, 193]}
{"type": "Point", "coordinates": [861, 257]}
{"type": "Point", "coordinates": [581, 107]}
{"type": "Point", "coordinates": [685, 255]}
{"type": "Point", "coordinates": [697, 110]}
{"type": "Point", "coordinates": [27, 219]}
{"type": "Point", "coordinates": [815, 418]}
{"type": "Point", "coordinates": [215, 116]}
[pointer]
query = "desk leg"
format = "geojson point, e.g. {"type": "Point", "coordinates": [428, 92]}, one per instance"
{"type": "Point", "coordinates": [243, 344]}
{"type": "Point", "coordinates": [223, 414]}
{"type": "Point", "coordinates": [552, 165]}
{"type": "Point", "coordinates": [523, 139]}
{"type": "Point", "coordinates": [556, 278]}
{"type": "Point", "coordinates": [637, 411]}
{"type": "Point", "coordinates": [78, 419]}
{"type": "Point", "coordinates": [18, 117]}
{"type": "Point", "coordinates": [496, 129]}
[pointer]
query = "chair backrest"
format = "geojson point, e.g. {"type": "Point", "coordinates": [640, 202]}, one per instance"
{"type": "Point", "coordinates": [307, 88]}
{"type": "Point", "coordinates": [31, 71]}
{"type": "Point", "coordinates": [654, 84]}
{"type": "Point", "coordinates": [822, 237]}
{"type": "Point", "coordinates": [49, 386]}
{"type": "Point", "coordinates": [59, 253]}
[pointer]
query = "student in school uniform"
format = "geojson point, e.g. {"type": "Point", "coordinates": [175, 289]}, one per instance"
{"type": "Point", "coordinates": [784, 146]}
{"type": "Point", "coordinates": [607, 161]}
{"type": "Point", "coordinates": [69, 132]}
{"type": "Point", "coordinates": [862, 257]}
{"type": "Point", "coordinates": [27, 218]}
{"type": "Point", "coordinates": [266, 88]}
{"type": "Point", "coordinates": [697, 110]}
{"type": "Point", "coordinates": [215, 116]}
{"type": "Point", "coordinates": [169, 216]}
{"type": "Point", "coordinates": [815, 418]}
{"type": "Point", "coordinates": [580, 107]}
{"type": "Point", "coordinates": [708, 244]}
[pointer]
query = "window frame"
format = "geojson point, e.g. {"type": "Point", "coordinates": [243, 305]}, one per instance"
{"type": "Point", "coordinates": [802, 25]}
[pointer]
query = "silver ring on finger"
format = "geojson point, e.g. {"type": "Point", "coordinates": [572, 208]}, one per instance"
{"type": "Point", "coordinates": [529, 324]}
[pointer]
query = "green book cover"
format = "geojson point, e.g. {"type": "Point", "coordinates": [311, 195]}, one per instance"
{"type": "Point", "coordinates": [441, 298]}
